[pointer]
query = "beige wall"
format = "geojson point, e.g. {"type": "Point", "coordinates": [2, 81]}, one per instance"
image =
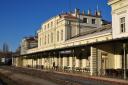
{"type": "Point", "coordinates": [119, 10]}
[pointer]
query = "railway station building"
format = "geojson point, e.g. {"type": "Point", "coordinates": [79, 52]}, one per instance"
{"type": "Point", "coordinates": [81, 42]}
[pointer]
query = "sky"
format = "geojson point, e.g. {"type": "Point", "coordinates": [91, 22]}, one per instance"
{"type": "Point", "coordinates": [21, 18]}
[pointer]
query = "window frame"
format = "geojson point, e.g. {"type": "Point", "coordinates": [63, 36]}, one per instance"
{"type": "Point", "coordinates": [85, 21]}
{"type": "Point", "coordinates": [57, 35]}
{"type": "Point", "coordinates": [122, 25]}
{"type": "Point", "coordinates": [48, 38]}
{"type": "Point", "coordinates": [94, 22]}
{"type": "Point", "coordinates": [51, 37]}
{"type": "Point", "coordinates": [62, 34]}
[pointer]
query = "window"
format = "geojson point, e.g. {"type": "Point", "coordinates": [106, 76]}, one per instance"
{"type": "Point", "coordinates": [68, 61]}
{"type": "Point", "coordinates": [57, 35]}
{"type": "Point", "coordinates": [57, 21]}
{"type": "Point", "coordinates": [68, 22]}
{"type": "Point", "coordinates": [48, 25]}
{"type": "Point", "coordinates": [51, 24]}
{"type": "Point", "coordinates": [45, 40]}
{"type": "Point", "coordinates": [61, 34]}
{"type": "Point", "coordinates": [93, 21]}
{"type": "Point", "coordinates": [48, 38]}
{"type": "Point", "coordinates": [51, 37]}
{"type": "Point", "coordinates": [85, 20]}
{"type": "Point", "coordinates": [40, 41]}
{"type": "Point", "coordinates": [45, 27]}
{"type": "Point", "coordinates": [122, 24]}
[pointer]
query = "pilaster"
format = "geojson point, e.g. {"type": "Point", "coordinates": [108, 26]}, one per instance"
{"type": "Point", "coordinates": [93, 62]}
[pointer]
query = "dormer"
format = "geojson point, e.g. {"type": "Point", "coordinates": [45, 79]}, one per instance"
{"type": "Point", "coordinates": [119, 18]}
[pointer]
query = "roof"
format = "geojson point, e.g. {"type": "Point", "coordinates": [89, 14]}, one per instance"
{"type": "Point", "coordinates": [29, 39]}
{"type": "Point", "coordinates": [103, 28]}
{"type": "Point", "coordinates": [109, 0]}
{"type": "Point", "coordinates": [68, 16]}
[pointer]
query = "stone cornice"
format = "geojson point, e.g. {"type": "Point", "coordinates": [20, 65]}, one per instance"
{"type": "Point", "coordinates": [110, 2]}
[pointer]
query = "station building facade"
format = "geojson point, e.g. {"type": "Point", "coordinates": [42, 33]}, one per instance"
{"type": "Point", "coordinates": [84, 42]}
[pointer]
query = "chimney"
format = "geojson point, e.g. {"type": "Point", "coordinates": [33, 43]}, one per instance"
{"type": "Point", "coordinates": [70, 12]}
{"type": "Point", "coordinates": [76, 11]}
{"type": "Point", "coordinates": [83, 13]}
{"type": "Point", "coordinates": [59, 15]}
{"type": "Point", "coordinates": [62, 12]}
{"type": "Point", "coordinates": [98, 13]}
{"type": "Point", "coordinates": [89, 12]}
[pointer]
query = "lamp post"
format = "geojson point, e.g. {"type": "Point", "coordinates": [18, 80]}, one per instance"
{"type": "Point", "coordinates": [124, 60]}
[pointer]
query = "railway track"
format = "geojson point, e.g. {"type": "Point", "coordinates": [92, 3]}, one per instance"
{"type": "Point", "coordinates": [62, 79]}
